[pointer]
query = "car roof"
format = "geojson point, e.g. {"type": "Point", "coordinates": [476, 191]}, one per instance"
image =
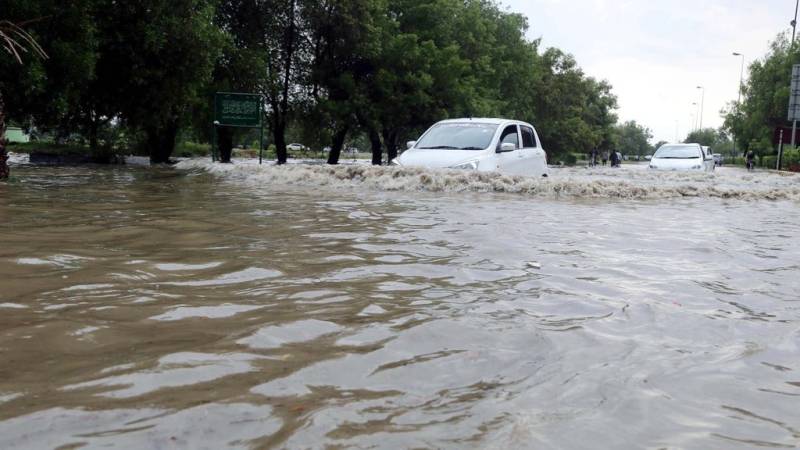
{"type": "Point", "coordinates": [682, 145]}
{"type": "Point", "coordinates": [488, 120]}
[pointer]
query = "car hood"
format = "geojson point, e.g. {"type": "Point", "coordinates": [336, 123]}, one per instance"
{"type": "Point", "coordinates": [437, 159]}
{"type": "Point", "coordinates": [675, 164]}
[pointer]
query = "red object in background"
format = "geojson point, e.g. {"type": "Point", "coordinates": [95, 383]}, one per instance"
{"type": "Point", "coordinates": [787, 135]}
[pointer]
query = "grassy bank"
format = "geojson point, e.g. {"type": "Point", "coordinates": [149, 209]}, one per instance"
{"type": "Point", "coordinates": [49, 147]}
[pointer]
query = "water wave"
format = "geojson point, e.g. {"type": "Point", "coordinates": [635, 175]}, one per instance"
{"type": "Point", "coordinates": [629, 182]}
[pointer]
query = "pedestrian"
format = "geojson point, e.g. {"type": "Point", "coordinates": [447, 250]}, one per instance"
{"type": "Point", "coordinates": [750, 157]}
{"type": "Point", "coordinates": [605, 158]}
{"type": "Point", "coordinates": [614, 159]}
{"type": "Point", "coordinates": [593, 157]}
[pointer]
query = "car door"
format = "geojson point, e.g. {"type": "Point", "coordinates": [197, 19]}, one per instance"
{"type": "Point", "coordinates": [708, 160]}
{"type": "Point", "coordinates": [510, 162]}
{"type": "Point", "coordinates": [533, 157]}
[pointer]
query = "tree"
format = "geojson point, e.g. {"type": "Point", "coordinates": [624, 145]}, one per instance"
{"type": "Point", "coordinates": [345, 43]}
{"type": "Point", "coordinates": [705, 136]}
{"type": "Point", "coordinates": [765, 97]}
{"type": "Point", "coordinates": [15, 41]}
{"type": "Point", "coordinates": [240, 66]}
{"type": "Point", "coordinates": [155, 55]}
{"type": "Point", "coordinates": [63, 93]}
{"type": "Point", "coordinates": [633, 139]}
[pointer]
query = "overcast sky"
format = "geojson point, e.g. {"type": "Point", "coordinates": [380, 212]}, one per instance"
{"type": "Point", "coordinates": [656, 52]}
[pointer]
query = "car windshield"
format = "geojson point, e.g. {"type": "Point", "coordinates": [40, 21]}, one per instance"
{"type": "Point", "coordinates": [678, 152]}
{"type": "Point", "coordinates": [458, 136]}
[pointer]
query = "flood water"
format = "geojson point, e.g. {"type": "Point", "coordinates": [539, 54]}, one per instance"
{"type": "Point", "coordinates": [312, 307]}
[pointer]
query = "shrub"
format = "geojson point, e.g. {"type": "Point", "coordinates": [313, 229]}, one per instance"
{"type": "Point", "coordinates": [568, 159]}
{"type": "Point", "coordinates": [192, 149]}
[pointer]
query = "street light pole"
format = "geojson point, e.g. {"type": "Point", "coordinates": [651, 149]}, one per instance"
{"type": "Point", "coordinates": [794, 22]}
{"type": "Point", "coordinates": [702, 104]}
{"type": "Point", "coordinates": [739, 100]}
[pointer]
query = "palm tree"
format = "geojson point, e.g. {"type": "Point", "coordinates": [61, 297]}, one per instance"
{"type": "Point", "coordinates": [16, 42]}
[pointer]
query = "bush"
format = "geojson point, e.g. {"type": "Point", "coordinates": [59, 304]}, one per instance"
{"type": "Point", "coordinates": [245, 153]}
{"type": "Point", "coordinates": [192, 149]}
{"type": "Point", "coordinates": [735, 161]}
{"type": "Point", "coordinates": [568, 159]}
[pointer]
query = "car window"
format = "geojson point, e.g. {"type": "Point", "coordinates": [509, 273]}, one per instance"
{"type": "Point", "coordinates": [458, 136]}
{"type": "Point", "coordinates": [528, 139]}
{"type": "Point", "coordinates": [678, 152]}
{"type": "Point", "coordinates": [510, 136]}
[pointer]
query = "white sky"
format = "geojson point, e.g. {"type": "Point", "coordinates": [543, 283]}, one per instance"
{"type": "Point", "coordinates": [656, 52]}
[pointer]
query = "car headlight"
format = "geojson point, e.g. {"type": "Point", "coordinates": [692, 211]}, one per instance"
{"type": "Point", "coordinates": [472, 165]}
{"type": "Point", "coordinates": [395, 163]}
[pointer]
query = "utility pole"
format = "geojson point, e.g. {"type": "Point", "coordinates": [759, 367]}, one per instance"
{"type": "Point", "coordinates": [739, 101]}
{"type": "Point", "coordinates": [702, 104]}
{"type": "Point", "coordinates": [794, 22]}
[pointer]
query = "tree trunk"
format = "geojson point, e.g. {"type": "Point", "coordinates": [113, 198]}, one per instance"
{"type": "Point", "coordinates": [4, 170]}
{"type": "Point", "coordinates": [377, 150]}
{"type": "Point", "coordinates": [336, 148]}
{"type": "Point", "coordinates": [99, 155]}
{"type": "Point", "coordinates": [279, 136]}
{"type": "Point", "coordinates": [390, 139]}
{"type": "Point", "coordinates": [225, 144]}
{"type": "Point", "coordinates": [161, 141]}
{"type": "Point", "coordinates": [93, 126]}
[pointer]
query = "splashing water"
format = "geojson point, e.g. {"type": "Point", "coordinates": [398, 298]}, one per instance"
{"type": "Point", "coordinates": [628, 182]}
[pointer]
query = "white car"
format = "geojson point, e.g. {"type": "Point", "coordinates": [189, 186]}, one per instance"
{"type": "Point", "coordinates": [684, 157]}
{"type": "Point", "coordinates": [295, 147]}
{"type": "Point", "coordinates": [485, 145]}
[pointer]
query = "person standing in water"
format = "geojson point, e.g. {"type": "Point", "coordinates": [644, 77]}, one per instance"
{"type": "Point", "coordinates": [614, 159]}
{"type": "Point", "coordinates": [750, 157]}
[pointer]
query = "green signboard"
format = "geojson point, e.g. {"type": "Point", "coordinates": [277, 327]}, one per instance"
{"type": "Point", "coordinates": [237, 110]}
{"type": "Point", "coordinates": [233, 109]}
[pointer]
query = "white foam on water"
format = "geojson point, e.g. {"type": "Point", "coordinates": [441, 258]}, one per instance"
{"type": "Point", "coordinates": [18, 158]}
{"type": "Point", "coordinates": [629, 182]}
{"type": "Point", "coordinates": [12, 306]}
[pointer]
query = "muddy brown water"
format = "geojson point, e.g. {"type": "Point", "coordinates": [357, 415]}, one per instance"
{"type": "Point", "coordinates": [174, 308]}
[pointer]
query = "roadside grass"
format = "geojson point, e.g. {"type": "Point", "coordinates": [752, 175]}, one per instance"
{"type": "Point", "coordinates": [48, 147]}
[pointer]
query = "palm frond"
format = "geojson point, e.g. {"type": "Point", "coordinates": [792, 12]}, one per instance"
{"type": "Point", "coordinates": [16, 41]}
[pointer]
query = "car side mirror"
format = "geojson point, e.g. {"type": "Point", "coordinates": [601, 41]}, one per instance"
{"type": "Point", "coordinates": [506, 147]}
{"type": "Point", "coordinates": [410, 144]}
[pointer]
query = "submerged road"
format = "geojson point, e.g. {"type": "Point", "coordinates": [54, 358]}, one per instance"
{"type": "Point", "coordinates": [305, 307]}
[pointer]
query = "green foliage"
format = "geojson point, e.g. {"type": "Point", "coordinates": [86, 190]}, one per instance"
{"type": "Point", "coordinates": [50, 92]}
{"type": "Point", "coordinates": [705, 136]}
{"type": "Point", "coordinates": [765, 98]}
{"type": "Point", "coordinates": [192, 149]}
{"type": "Point", "coordinates": [569, 159]}
{"type": "Point", "coordinates": [142, 73]}
{"type": "Point", "coordinates": [633, 139]}
{"type": "Point", "coordinates": [48, 147]}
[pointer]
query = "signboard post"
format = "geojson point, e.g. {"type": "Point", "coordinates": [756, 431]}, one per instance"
{"type": "Point", "coordinates": [232, 109]}
{"type": "Point", "coordinates": [794, 100]}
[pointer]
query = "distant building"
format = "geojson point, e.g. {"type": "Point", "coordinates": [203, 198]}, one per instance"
{"type": "Point", "coordinates": [17, 135]}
